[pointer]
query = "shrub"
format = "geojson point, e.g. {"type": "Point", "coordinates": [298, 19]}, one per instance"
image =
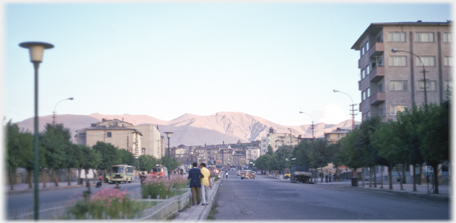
{"type": "Point", "coordinates": [179, 181]}
{"type": "Point", "coordinates": [108, 202]}
{"type": "Point", "coordinates": [154, 186]}
{"type": "Point", "coordinates": [215, 176]}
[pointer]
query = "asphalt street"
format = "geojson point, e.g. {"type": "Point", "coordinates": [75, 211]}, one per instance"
{"type": "Point", "coordinates": [273, 199]}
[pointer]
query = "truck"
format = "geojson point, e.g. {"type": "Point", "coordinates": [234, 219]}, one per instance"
{"type": "Point", "coordinates": [300, 173]}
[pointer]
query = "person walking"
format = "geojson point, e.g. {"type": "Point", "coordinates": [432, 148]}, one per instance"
{"type": "Point", "coordinates": [226, 174]}
{"type": "Point", "coordinates": [205, 182]}
{"type": "Point", "coordinates": [195, 184]}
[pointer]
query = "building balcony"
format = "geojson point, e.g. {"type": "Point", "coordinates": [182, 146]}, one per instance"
{"type": "Point", "coordinates": [378, 98]}
{"type": "Point", "coordinates": [377, 74]}
{"type": "Point", "coordinates": [376, 50]}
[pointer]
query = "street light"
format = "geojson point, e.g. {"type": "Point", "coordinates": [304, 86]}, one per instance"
{"type": "Point", "coordinates": [36, 51]}
{"type": "Point", "coordinates": [312, 126]}
{"type": "Point", "coordinates": [353, 107]}
{"type": "Point", "coordinates": [168, 134]}
{"type": "Point", "coordinates": [394, 50]}
{"type": "Point", "coordinates": [53, 118]}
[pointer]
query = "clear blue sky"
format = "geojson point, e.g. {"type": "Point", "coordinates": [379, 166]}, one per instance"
{"type": "Point", "coordinates": [269, 60]}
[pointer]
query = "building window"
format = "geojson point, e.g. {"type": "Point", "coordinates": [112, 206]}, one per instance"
{"type": "Point", "coordinates": [396, 37]}
{"type": "Point", "coordinates": [362, 50]}
{"type": "Point", "coordinates": [380, 87]}
{"type": "Point", "coordinates": [367, 69]}
{"type": "Point", "coordinates": [366, 47]}
{"type": "Point", "coordinates": [447, 62]}
{"type": "Point", "coordinates": [381, 113]}
{"type": "Point", "coordinates": [108, 134]}
{"type": "Point", "coordinates": [363, 74]}
{"type": "Point", "coordinates": [448, 86]}
{"type": "Point", "coordinates": [447, 37]}
{"type": "Point", "coordinates": [379, 38]}
{"type": "Point", "coordinates": [430, 85]}
{"type": "Point", "coordinates": [428, 61]}
{"type": "Point", "coordinates": [368, 92]}
{"type": "Point", "coordinates": [424, 37]}
{"type": "Point", "coordinates": [398, 61]}
{"type": "Point", "coordinates": [398, 85]}
{"type": "Point", "coordinates": [394, 109]}
{"type": "Point", "coordinates": [363, 95]}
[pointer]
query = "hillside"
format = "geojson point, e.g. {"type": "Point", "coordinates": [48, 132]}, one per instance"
{"type": "Point", "coordinates": [189, 129]}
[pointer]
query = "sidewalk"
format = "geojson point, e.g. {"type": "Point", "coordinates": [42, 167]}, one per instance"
{"type": "Point", "coordinates": [199, 212]}
{"type": "Point", "coordinates": [422, 190]}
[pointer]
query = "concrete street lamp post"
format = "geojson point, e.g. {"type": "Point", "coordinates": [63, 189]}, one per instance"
{"type": "Point", "coordinates": [353, 107]}
{"type": "Point", "coordinates": [36, 51]}
{"type": "Point", "coordinates": [53, 118]}
{"type": "Point", "coordinates": [168, 134]}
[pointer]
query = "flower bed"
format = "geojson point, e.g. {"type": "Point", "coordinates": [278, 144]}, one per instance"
{"type": "Point", "coordinates": [162, 187]}
{"type": "Point", "coordinates": [107, 204]}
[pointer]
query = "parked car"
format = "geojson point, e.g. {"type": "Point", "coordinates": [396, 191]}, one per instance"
{"type": "Point", "coordinates": [247, 174]}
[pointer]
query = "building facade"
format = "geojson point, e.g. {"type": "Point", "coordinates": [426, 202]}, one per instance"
{"type": "Point", "coordinates": [115, 132]}
{"type": "Point", "coordinates": [389, 81]}
{"type": "Point", "coordinates": [277, 140]}
{"type": "Point", "coordinates": [252, 152]}
{"type": "Point", "coordinates": [151, 141]}
{"type": "Point", "coordinates": [336, 135]}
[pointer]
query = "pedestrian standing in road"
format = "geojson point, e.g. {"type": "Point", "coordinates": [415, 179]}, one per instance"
{"type": "Point", "coordinates": [205, 183]}
{"type": "Point", "coordinates": [195, 184]}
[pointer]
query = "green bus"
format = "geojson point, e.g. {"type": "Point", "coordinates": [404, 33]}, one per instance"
{"type": "Point", "coordinates": [121, 173]}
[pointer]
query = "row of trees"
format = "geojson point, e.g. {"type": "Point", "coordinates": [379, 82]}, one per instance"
{"type": "Point", "coordinates": [418, 136]}
{"type": "Point", "coordinates": [57, 152]}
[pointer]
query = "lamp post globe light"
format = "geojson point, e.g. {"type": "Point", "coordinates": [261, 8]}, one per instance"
{"type": "Point", "coordinates": [36, 51]}
{"type": "Point", "coordinates": [353, 107]}
{"type": "Point", "coordinates": [53, 118]}
{"type": "Point", "coordinates": [394, 50]}
{"type": "Point", "coordinates": [168, 134]}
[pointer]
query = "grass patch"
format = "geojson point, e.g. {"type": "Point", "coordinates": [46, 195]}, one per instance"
{"type": "Point", "coordinates": [213, 211]}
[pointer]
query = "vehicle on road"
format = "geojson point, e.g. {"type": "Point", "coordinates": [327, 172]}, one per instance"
{"type": "Point", "coordinates": [247, 174]}
{"type": "Point", "coordinates": [121, 173]}
{"type": "Point", "coordinates": [239, 173]}
{"type": "Point", "coordinates": [159, 170]}
{"type": "Point", "coordinates": [300, 173]}
{"type": "Point", "coordinates": [286, 176]}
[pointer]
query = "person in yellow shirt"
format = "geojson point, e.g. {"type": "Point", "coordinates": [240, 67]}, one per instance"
{"type": "Point", "coordinates": [205, 182]}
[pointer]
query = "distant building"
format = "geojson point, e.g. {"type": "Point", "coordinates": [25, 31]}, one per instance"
{"type": "Point", "coordinates": [115, 132]}
{"type": "Point", "coordinates": [151, 141]}
{"type": "Point", "coordinates": [252, 152]}
{"type": "Point", "coordinates": [277, 140]}
{"type": "Point", "coordinates": [336, 135]}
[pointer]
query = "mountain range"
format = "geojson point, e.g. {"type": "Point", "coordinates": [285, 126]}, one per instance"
{"type": "Point", "coordinates": [191, 130]}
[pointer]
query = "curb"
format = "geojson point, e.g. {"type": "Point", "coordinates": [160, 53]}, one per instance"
{"type": "Point", "coordinates": [437, 197]}
{"type": "Point", "coordinates": [212, 198]}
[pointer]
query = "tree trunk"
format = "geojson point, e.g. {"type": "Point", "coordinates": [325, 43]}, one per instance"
{"type": "Point", "coordinates": [69, 176]}
{"type": "Point", "coordinates": [404, 167]}
{"type": "Point", "coordinates": [87, 182]}
{"type": "Point", "coordinates": [44, 178]}
{"type": "Point", "coordinates": [94, 176]}
{"type": "Point", "coordinates": [390, 176]}
{"type": "Point", "coordinates": [363, 173]}
{"type": "Point", "coordinates": [370, 177]}
{"type": "Point", "coordinates": [79, 176]}
{"type": "Point", "coordinates": [321, 180]}
{"type": "Point", "coordinates": [375, 177]}
{"type": "Point", "coordinates": [421, 174]}
{"type": "Point", "coordinates": [381, 174]}
{"type": "Point", "coordinates": [436, 178]}
{"type": "Point", "coordinates": [414, 178]}
{"type": "Point", "coordinates": [11, 178]}
{"type": "Point", "coordinates": [30, 178]}
{"type": "Point", "coordinates": [400, 177]}
{"type": "Point", "coordinates": [55, 178]}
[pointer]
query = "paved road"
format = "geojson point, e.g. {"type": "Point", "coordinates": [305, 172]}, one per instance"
{"type": "Point", "coordinates": [23, 200]}
{"type": "Point", "coordinates": [273, 199]}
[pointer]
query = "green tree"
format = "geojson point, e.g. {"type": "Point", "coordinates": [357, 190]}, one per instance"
{"type": "Point", "coordinates": [125, 157]}
{"type": "Point", "coordinates": [17, 145]}
{"type": "Point", "coordinates": [349, 155]}
{"type": "Point", "coordinates": [270, 150]}
{"type": "Point", "coordinates": [262, 161]}
{"type": "Point", "coordinates": [171, 165]}
{"type": "Point", "coordinates": [108, 154]}
{"type": "Point", "coordinates": [55, 141]}
{"type": "Point", "coordinates": [368, 152]}
{"type": "Point", "coordinates": [147, 162]}
{"type": "Point", "coordinates": [435, 137]}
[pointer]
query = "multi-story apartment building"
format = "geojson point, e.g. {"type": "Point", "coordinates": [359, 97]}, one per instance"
{"type": "Point", "coordinates": [390, 82]}
{"type": "Point", "coordinates": [252, 152]}
{"type": "Point", "coordinates": [336, 135]}
{"type": "Point", "coordinates": [115, 132]}
{"type": "Point", "coordinates": [151, 141]}
{"type": "Point", "coordinates": [277, 140]}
